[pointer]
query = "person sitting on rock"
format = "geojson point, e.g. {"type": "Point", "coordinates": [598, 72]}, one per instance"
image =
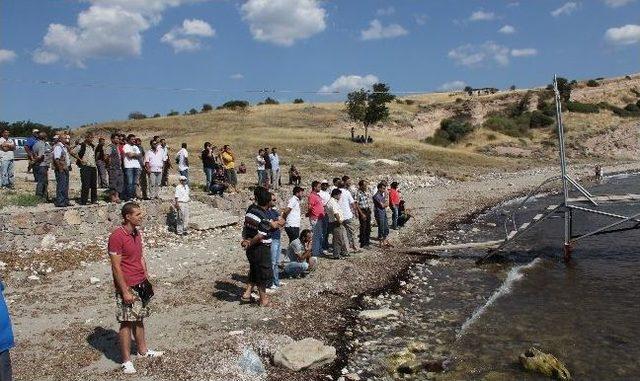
{"type": "Point", "coordinates": [299, 254]}
{"type": "Point", "coordinates": [403, 214]}
{"type": "Point", "coordinates": [242, 168]}
{"type": "Point", "coordinates": [219, 183]}
{"type": "Point", "coordinates": [294, 176]}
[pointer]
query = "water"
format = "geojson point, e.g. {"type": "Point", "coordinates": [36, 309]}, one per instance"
{"type": "Point", "coordinates": [481, 318]}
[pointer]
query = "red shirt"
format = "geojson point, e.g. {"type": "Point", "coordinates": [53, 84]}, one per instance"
{"type": "Point", "coordinates": [394, 196]}
{"type": "Point", "coordinates": [129, 247]}
{"type": "Point", "coordinates": [316, 209]}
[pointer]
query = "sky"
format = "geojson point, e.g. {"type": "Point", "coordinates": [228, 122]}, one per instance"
{"type": "Point", "coordinates": [74, 62]}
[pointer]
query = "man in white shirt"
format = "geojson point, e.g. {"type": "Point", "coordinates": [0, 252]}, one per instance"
{"type": "Point", "coordinates": [7, 146]}
{"type": "Point", "coordinates": [275, 168]}
{"type": "Point", "coordinates": [260, 167]}
{"type": "Point", "coordinates": [348, 204]}
{"type": "Point", "coordinates": [132, 168]}
{"type": "Point", "coordinates": [182, 206]}
{"type": "Point", "coordinates": [182, 159]}
{"type": "Point", "coordinates": [153, 165]}
{"type": "Point", "coordinates": [292, 214]}
{"type": "Point", "coordinates": [61, 164]}
{"type": "Point", "coordinates": [334, 211]}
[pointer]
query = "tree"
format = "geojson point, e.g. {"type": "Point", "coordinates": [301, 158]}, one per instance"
{"type": "Point", "coordinates": [173, 113]}
{"type": "Point", "coordinates": [564, 87]}
{"type": "Point", "coordinates": [369, 107]}
{"type": "Point", "coordinates": [193, 111]}
{"type": "Point", "coordinates": [468, 90]}
{"type": "Point", "coordinates": [206, 107]}
{"type": "Point", "coordinates": [512, 88]}
{"type": "Point", "coordinates": [234, 104]}
{"type": "Point", "coordinates": [298, 100]}
{"type": "Point", "coordinates": [157, 115]}
{"type": "Point", "coordinates": [136, 115]}
{"type": "Point", "coordinates": [270, 101]}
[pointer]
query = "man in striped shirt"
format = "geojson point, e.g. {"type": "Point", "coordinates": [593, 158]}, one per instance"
{"type": "Point", "coordinates": [363, 206]}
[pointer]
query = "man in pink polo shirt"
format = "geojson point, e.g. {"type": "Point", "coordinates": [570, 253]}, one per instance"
{"type": "Point", "coordinates": [316, 214]}
{"type": "Point", "coordinates": [133, 290]}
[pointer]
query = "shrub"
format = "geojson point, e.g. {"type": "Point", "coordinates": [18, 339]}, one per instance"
{"type": "Point", "coordinates": [592, 83]}
{"type": "Point", "coordinates": [234, 104]}
{"type": "Point", "coordinates": [515, 127]}
{"type": "Point", "coordinates": [206, 107]}
{"type": "Point", "coordinates": [455, 128]}
{"type": "Point", "coordinates": [632, 107]}
{"type": "Point", "coordinates": [173, 113]}
{"type": "Point", "coordinates": [491, 137]}
{"type": "Point", "coordinates": [193, 111]}
{"type": "Point", "coordinates": [440, 138]}
{"type": "Point", "coordinates": [512, 88]}
{"type": "Point", "coordinates": [271, 101]}
{"type": "Point", "coordinates": [538, 120]}
{"type": "Point", "coordinates": [585, 108]}
{"type": "Point", "coordinates": [157, 115]}
{"type": "Point", "coordinates": [298, 100]}
{"type": "Point", "coordinates": [622, 112]}
{"type": "Point", "coordinates": [136, 115]}
{"type": "Point", "coordinates": [410, 102]}
{"type": "Point", "coordinates": [635, 92]}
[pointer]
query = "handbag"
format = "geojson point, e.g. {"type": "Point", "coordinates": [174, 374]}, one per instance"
{"type": "Point", "coordinates": [144, 290]}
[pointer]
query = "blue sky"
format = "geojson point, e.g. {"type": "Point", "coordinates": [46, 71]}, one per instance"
{"type": "Point", "coordinates": [106, 58]}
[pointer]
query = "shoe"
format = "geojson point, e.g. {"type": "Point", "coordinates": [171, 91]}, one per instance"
{"type": "Point", "coordinates": [127, 368]}
{"type": "Point", "coordinates": [150, 354]}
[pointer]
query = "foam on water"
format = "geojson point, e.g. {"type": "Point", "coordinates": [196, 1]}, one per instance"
{"type": "Point", "coordinates": [514, 275]}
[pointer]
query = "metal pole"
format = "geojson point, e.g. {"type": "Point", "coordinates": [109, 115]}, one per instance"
{"type": "Point", "coordinates": [563, 169]}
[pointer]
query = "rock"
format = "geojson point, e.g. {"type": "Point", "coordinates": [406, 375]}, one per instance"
{"type": "Point", "coordinates": [250, 362]}
{"type": "Point", "coordinates": [47, 241]}
{"type": "Point", "coordinates": [72, 217]}
{"type": "Point", "coordinates": [378, 314]}
{"type": "Point", "coordinates": [416, 346]}
{"type": "Point", "coordinates": [33, 277]}
{"type": "Point", "coordinates": [303, 354]}
{"type": "Point", "coordinates": [396, 360]}
{"type": "Point", "coordinates": [94, 280]}
{"type": "Point", "coordinates": [352, 377]}
{"type": "Point", "coordinates": [410, 367]}
{"type": "Point", "coordinates": [547, 364]}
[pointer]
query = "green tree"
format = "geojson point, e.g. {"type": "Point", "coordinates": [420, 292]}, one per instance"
{"type": "Point", "coordinates": [157, 115]}
{"type": "Point", "coordinates": [298, 100]}
{"type": "Point", "coordinates": [173, 113]}
{"type": "Point", "coordinates": [564, 87]}
{"type": "Point", "coordinates": [206, 107]}
{"type": "Point", "coordinates": [136, 115]}
{"type": "Point", "coordinates": [369, 107]}
{"type": "Point", "coordinates": [193, 111]}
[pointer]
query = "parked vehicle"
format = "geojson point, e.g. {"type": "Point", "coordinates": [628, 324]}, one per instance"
{"type": "Point", "coordinates": [20, 153]}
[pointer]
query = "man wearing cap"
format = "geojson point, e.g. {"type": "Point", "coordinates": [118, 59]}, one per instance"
{"type": "Point", "coordinates": [28, 148]}
{"type": "Point", "coordinates": [182, 206]}
{"type": "Point", "coordinates": [292, 214]}
{"type": "Point", "coordinates": [7, 146]}
{"type": "Point", "coordinates": [61, 164]}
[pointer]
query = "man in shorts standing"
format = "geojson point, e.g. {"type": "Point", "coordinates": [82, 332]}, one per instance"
{"type": "Point", "coordinates": [133, 290]}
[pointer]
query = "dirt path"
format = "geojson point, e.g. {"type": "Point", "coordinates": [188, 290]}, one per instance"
{"type": "Point", "coordinates": [65, 326]}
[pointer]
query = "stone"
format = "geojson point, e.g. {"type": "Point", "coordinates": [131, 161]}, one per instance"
{"type": "Point", "coordinates": [33, 277]}
{"type": "Point", "coordinates": [396, 360]}
{"type": "Point", "coordinates": [352, 377]}
{"type": "Point", "coordinates": [547, 364]}
{"type": "Point", "coordinates": [47, 241]}
{"type": "Point", "coordinates": [250, 362]}
{"type": "Point", "coordinates": [304, 354]}
{"type": "Point", "coordinates": [94, 280]}
{"type": "Point", "coordinates": [378, 314]}
{"type": "Point", "coordinates": [72, 217]}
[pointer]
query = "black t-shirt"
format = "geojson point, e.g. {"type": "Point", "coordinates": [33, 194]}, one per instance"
{"type": "Point", "coordinates": [256, 222]}
{"type": "Point", "coordinates": [208, 161]}
{"type": "Point", "coordinates": [267, 161]}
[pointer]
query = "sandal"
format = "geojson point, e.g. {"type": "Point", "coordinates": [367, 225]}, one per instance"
{"type": "Point", "coordinates": [245, 300]}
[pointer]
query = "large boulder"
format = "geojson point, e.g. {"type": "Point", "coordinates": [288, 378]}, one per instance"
{"type": "Point", "coordinates": [303, 354]}
{"type": "Point", "coordinates": [378, 314]}
{"type": "Point", "coordinates": [537, 361]}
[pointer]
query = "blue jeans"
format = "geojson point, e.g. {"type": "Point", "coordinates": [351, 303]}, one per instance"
{"type": "Point", "coordinates": [383, 223]}
{"type": "Point", "coordinates": [295, 268]}
{"type": "Point", "coordinates": [208, 174]}
{"type": "Point", "coordinates": [275, 259]}
{"type": "Point", "coordinates": [394, 216]}
{"type": "Point", "coordinates": [316, 228]}
{"type": "Point", "coordinates": [62, 188]}
{"type": "Point", "coordinates": [131, 178]}
{"type": "Point", "coordinates": [261, 177]}
{"type": "Point", "coordinates": [185, 173]}
{"type": "Point", "coordinates": [6, 374]}
{"type": "Point", "coordinates": [42, 177]}
{"type": "Point", "coordinates": [6, 173]}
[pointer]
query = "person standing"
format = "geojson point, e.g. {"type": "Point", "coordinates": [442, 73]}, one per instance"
{"type": "Point", "coordinates": [167, 164]}
{"type": "Point", "coordinates": [153, 164]}
{"type": "Point", "coordinates": [61, 164]}
{"type": "Point", "coordinates": [260, 168]}
{"type": "Point", "coordinates": [275, 168]}
{"type": "Point", "coordinates": [114, 165]}
{"type": "Point", "coordinates": [274, 215]}
{"type": "Point", "coordinates": [267, 167]}
{"type": "Point", "coordinates": [28, 149]}
{"type": "Point", "coordinates": [380, 204]}
{"type": "Point", "coordinates": [6, 339]}
{"type": "Point", "coordinates": [347, 203]}
{"type": "Point", "coordinates": [316, 213]}
{"type": "Point", "coordinates": [334, 211]}
{"type": "Point", "coordinates": [142, 186]}
{"type": "Point", "coordinates": [86, 154]}
{"type": "Point", "coordinates": [101, 164]}
{"type": "Point", "coordinates": [41, 155]}
{"type": "Point", "coordinates": [228, 162]}
{"type": "Point", "coordinates": [208, 164]}
{"type": "Point", "coordinates": [182, 199]}
{"type": "Point", "coordinates": [363, 206]}
{"type": "Point", "coordinates": [132, 168]}
{"type": "Point", "coordinates": [133, 290]}
{"type": "Point", "coordinates": [325, 195]}
{"type": "Point", "coordinates": [292, 214]}
{"type": "Point", "coordinates": [257, 243]}
{"type": "Point", "coordinates": [7, 146]}
{"type": "Point", "coordinates": [182, 161]}
{"type": "Point", "coordinates": [394, 203]}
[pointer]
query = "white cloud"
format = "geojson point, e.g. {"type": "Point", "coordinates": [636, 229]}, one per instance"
{"type": "Point", "coordinates": [617, 3]}
{"type": "Point", "coordinates": [482, 16]}
{"type": "Point", "coordinates": [386, 11]}
{"type": "Point", "coordinates": [624, 35]}
{"type": "Point", "coordinates": [477, 55]}
{"type": "Point", "coordinates": [187, 38]}
{"type": "Point", "coordinates": [566, 9]}
{"type": "Point", "coordinates": [346, 83]}
{"type": "Point", "coordinates": [108, 28]}
{"type": "Point", "coordinates": [421, 19]}
{"type": "Point", "coordinates": [378, 31]}
{"type": "Point", "coordinates": [452, 86]}
{"type": "Point", "coordinates": [237, 76]}
{"type": "Point", "coordinates": [507, 29]}
{"type": "Point", "coordinates": [282, 22]}
{"type": "Point", "coordinates": [7, 55]}
{"type": "Point", "coordinates": [526, 52]}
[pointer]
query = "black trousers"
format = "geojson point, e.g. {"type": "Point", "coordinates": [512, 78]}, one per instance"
{"type": "Point", "coordinates": [88, 182]}
{"type": "Point", "coordinates": [365, 227]}
{"type": "Point", "coordinates": [292, 232]}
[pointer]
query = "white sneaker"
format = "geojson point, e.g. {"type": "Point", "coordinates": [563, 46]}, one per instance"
{"type": "Point", "coordinates": [151, 353]}
{"type": "Point", "coordinates": [127, 368]}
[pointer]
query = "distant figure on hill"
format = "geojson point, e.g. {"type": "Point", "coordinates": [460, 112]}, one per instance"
{"type": "Point", "coordinates": [294, 176]}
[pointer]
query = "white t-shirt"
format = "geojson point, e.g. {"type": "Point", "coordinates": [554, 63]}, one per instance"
{"type": "Point", "coordinates": [275, 161]}
{"type": "Point", "coordinates": [260, 163]}
{"type": "Point", "coordinates": [325, 196]}
{"type": "Point", "coordinates": [7, 155]}
{"type": "Point", "coordinates": [333, 208]}
{"type": "Point", "coordinates": [293, 218]}
{"type": "Point", "coordinates": [165, 152]}
{"type": "Point", "coordinates": [182, 193]}
{"type": "Point", "coordinates": [155, 160]}
{"type": "Point", "coordinates": [182, 162]}
{"type": "Point", "coordinates": [346, 199]}
{"type": "Point", "coordinates": [60, 151]}
{"type": "Point", "coordinates": [131, 162]}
